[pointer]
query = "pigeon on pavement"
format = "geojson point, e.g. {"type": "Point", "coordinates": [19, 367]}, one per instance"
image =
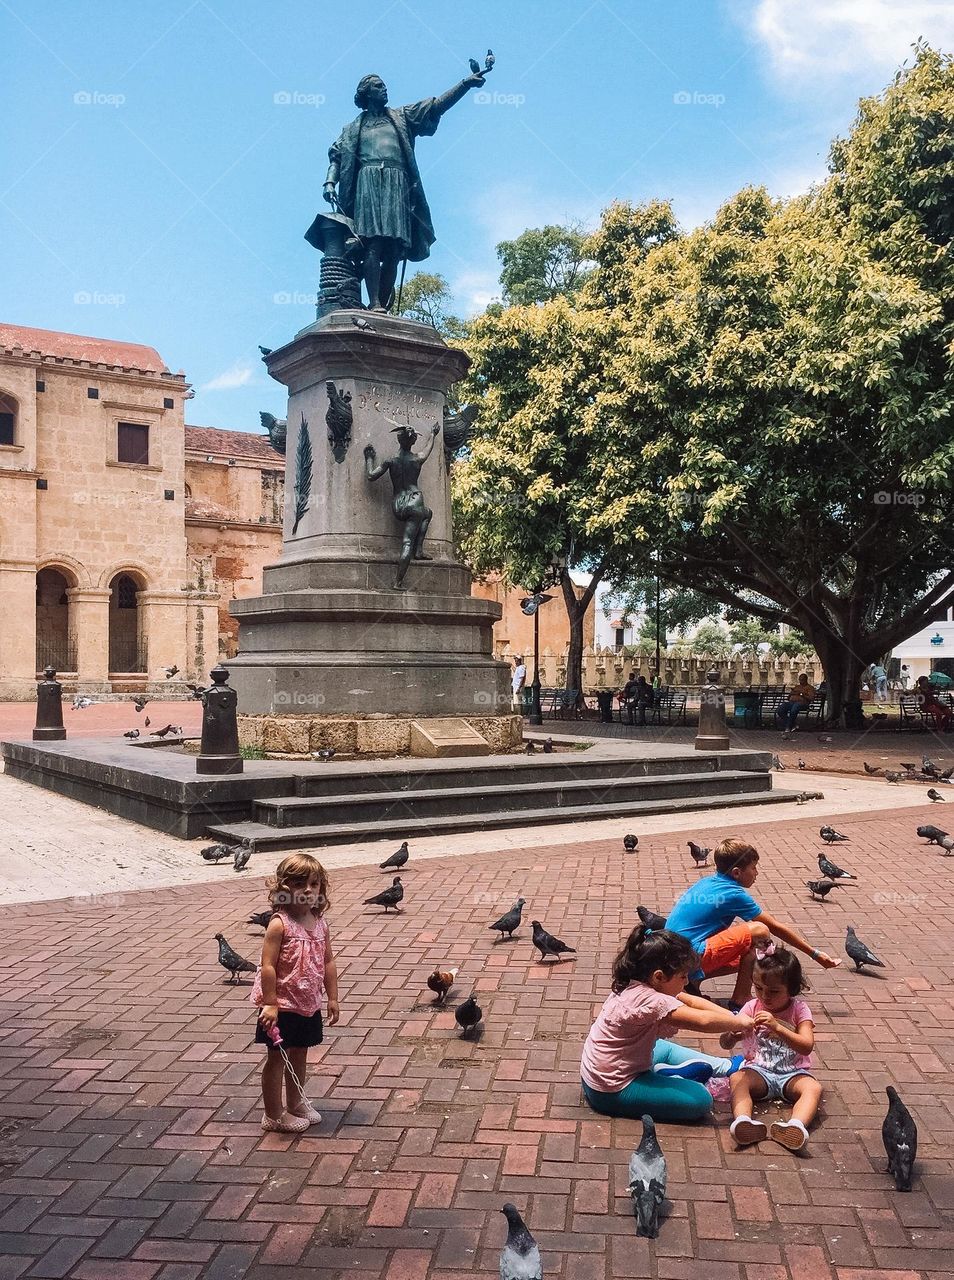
{"type": "Point", "coordinates": [81, 702]}
{"type": "Point", "coordinates": [832, 870]}
{"type": "Point", "coordinates": [441, 981]}
{"type": "Point", "coordinates": [510, 920]}
{"type": "Point", "coordinates": [547, 944]}
{"type": "Point", "coordinates": [890, 776]}
{"type": "Point", "coordinates": [859, 953]}
{"type": "Point", "coordinates": [933, 795]}
{"type": "Point", "coordinates": [242, 857]}
{"type": "Point", "coordinates": [647, 1181]}
{"type": "Point", "coordinates": [261, 918]}
{"type": "Point", "coordinates": [934, 835]}
{"type": "Point", "coordinates": [821, 888]}
{"type": "Point", "coordinates": [468, 1015]}
{"type": "Point", "coordinates": [630, 843]}
{"type": "Point", "coordinates": [875, 772]}
{"type": "Point", "coordinates": [801, 763]}
{"type": "Point", "coordinates": [830, 835]}
{"type": "Point", "coordinates": [397, 859]}
{"type": "Point", "coordinates": [899, 1134]}
{"type": "Point", "coordinates": [232, 961]}
{"type": "Point", "coordinates": [217, 852]}
{"type": "Point", "coordinates": [520, 1257]}
{"type": "Point", "coordinates": [326, 754]}
{"type": "Point", "coordinates": [131, 734]}
{"type": "Point", "coordinates": [777, 764]}
{"type": "Point", "coordinates": [651, 919]}
{"type": "Point", "coordinates": [387, 897]}
{"type": "Point", "coordinates": [530, 749]}
{"type": "Point", "coordinates": [700, 855]}
{"type": "Point", "coordinates": [548, 747]}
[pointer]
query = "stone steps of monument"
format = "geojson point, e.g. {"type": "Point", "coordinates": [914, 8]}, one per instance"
{"type": "Point", "coordinates": [516, 770]}
{"type": "Point", "coordinates": [552, 791]}
{"type": "Point", "coordinates": [268, 838]}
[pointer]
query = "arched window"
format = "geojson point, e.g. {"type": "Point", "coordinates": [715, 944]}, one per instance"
{"type": "Point", "coordinates": [54, 637]}
{"type": "Point", "coordinates": [8, 419]}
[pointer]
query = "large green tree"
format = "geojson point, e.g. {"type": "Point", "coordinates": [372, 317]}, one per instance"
{"type": "Point", "coordinates": [541, 264]}
{"type": "Point", "coordinates": [782, 385]}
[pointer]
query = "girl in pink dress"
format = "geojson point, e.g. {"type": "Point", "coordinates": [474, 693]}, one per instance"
{"type": "Point", "coordinates": [298, 969]}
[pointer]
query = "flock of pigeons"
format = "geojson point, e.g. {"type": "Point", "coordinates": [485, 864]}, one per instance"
{"type": "Point", "coordinates": [520, 1256]}
{"type": "Point", "coordinates": [82, 701]}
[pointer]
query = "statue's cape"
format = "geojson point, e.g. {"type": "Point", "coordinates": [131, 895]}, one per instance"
{"type": "Point", "coordinates": [410, 122]}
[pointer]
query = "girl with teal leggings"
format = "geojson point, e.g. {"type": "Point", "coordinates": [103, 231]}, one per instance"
{"type": "Point", "coordinates": [627, 1068]}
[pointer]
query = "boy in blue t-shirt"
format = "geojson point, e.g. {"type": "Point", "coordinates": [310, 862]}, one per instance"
{"type": "Point", "coordinates": [706, 911]}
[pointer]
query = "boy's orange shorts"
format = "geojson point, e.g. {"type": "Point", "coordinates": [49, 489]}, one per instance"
{"type": "Point", "coordinates": [724, 950]}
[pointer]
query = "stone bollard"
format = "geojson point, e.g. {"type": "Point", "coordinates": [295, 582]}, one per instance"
{"type": "Point", "coordinates": [49, 709]}
{"type": "Point", "coordinates": [712, 734]}
{"type": "Point", "coordinates": [219, 752]}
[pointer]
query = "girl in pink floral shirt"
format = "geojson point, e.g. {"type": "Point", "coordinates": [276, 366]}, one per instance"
{"type": "Point", "coordinates": [778, 1052]}
{"type": "Point", "coordinates": [298, 969]}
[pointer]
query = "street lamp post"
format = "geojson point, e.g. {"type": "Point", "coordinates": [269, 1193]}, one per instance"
{"type": "Point", "coordinates": [531, 607]}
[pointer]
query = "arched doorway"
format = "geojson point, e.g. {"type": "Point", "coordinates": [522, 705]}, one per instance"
{"type": "Point", "coordinates": [55, 645]}
{"type": "Point", "coordinates": [126, 649]}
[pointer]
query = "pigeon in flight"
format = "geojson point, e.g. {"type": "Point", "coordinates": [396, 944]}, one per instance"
{"type": "Point", "coordinates": [547, 944]}
{"type": "Point", "coordinates": [859, 953]}
{"type": "Point", "coordinates": [520, 1257]}
{"type": "Point", "coordinates": [232, 961]}
{"type": "Point", "coordinates": [147, 722]}
{"type": "Point", "coordinates": [397, 859]}
{"type": "Point", "coordinates": [832, 870]}
{"type": "Point", "coordinates": [510, 920]}
{"type": "Point", "coordinates": [899, 1134]}
{"type": "Point", "coordinates": [933, 795]}
{"type": "Point", "coordinates": [139, 702]}
{"type": "Point", "coordinates": [821, 888]}
{"type": "Point", "coordinates": [830, 835]}
{"type": "Point", "coordinates": [651, 919]}
{"type": "Point", "coordinates": [171, 671]}
{"type": "Point", "coordinates": [81, 702]}
{"type": "Point", "coordinates": [468, 1015]}
{"type": "Point", "coordinates": [647, 1181]}
{"type": "Point", "coordinates": [441, 981]}
{"type": "Point", "coordinates": [700, 855]}
{"type": "Point", "coordinates": [387, 897]}
{"type": "Point", "coordinates": [630, 843]}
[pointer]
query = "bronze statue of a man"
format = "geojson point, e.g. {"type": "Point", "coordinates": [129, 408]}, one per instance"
{"type": "Point", "coordinates": [405, 470]}
{"type": "Point", "coordinates": [378, 183]}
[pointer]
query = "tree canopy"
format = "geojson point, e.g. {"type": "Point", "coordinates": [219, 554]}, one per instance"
{"type": "Point", "coordinates": [541, 264]}
{"type": "Point", "coordinates": [762, 406]}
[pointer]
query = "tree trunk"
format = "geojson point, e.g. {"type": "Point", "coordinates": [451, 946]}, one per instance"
{"type": "Point", "coordinates": [576, 612]}
{"type": "Point", "coordinates": [844, 666]}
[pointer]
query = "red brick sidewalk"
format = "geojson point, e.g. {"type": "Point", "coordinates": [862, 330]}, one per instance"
{"type": "Point", "coordinates": [129, 1122]}
{"type": "Point", "coordinates": [104, 719]}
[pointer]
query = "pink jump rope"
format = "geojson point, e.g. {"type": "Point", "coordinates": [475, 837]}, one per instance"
{"type": "Point", "coordinates": [275, 1036]}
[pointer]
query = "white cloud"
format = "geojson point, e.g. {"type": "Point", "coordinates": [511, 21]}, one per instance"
{"type": "Point", "coordinates": [239, 375]}
{"type": "Point", "coordinates": [473, 290]}
{"type": "Point", "coordinates": [816, 39]}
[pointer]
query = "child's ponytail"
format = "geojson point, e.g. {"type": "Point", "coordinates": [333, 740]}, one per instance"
{"type": "Point", "coordinates": [645, 951]}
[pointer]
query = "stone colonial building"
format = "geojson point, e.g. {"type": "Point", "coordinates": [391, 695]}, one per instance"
{"type": "Point", "coordinates": [123, 533]}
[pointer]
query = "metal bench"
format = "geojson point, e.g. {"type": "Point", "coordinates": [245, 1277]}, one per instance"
{"type": "Point", "coordinates": [911, 713]}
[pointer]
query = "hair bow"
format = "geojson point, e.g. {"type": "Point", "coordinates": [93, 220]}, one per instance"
{"type": "Point", "coordinates": [765, 950]}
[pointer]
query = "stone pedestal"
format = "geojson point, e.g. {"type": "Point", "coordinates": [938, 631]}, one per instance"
{"type": "Point", "coordinates": [712, 734]}
{"type": "Point", "coordinates": [332, 634]}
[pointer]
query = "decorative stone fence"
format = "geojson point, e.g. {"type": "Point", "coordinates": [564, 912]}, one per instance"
{"type": "Point", "coordinates": [610, 668]}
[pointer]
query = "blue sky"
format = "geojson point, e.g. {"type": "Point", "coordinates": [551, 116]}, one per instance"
{"type": "Point", "coordinates": [163, 160]}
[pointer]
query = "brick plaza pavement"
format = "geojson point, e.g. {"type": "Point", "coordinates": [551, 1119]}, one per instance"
{"type": "Point", "coordinates": [129, 1119]}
